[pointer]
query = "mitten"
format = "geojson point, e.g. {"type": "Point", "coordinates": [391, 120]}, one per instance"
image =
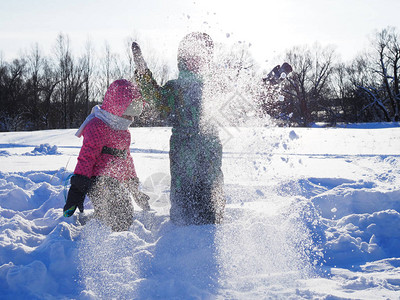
{"type": "Point", "coordinates": [76, 195]}
{"type": "Point", "coordinates": [141, 199]}
{"type": "Point", "coordinates": [278, 74]}
{"type": "Point", "coordinates": [140, 63]}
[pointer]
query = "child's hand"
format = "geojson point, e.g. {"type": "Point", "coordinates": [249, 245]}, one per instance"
{"type": "Point", "coordinates": [141, 199]}
{"type": "Point", "coordinates": [71, 206]}
{"type": "Point", "coordinates": [68, 212]}
{"type": "Point", "coordinates": [140, 63]}
{"type": "Point", "coordinates": [76, 195]}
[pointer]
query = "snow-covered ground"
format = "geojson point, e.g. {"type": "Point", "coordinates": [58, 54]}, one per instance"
{"type": "Point", "coordinates": [312, 214]}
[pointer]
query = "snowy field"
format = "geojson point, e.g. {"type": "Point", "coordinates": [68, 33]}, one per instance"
{"type": "Point", "coordinates": [312, 213]}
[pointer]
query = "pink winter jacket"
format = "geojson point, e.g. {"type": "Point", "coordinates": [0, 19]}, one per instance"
{"type": "Point", "coordinates": [91, 160]}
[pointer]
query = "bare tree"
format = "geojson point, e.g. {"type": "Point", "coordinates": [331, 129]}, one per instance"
{"type": "Point", "coordinates": [35, 64]}
{"type": "Point", "coordinates": [309, 87]}
{"type": "Point", "coordinates": [64, 60]}
{"type": "Point", "coordinates": [110, 68]}
{"type": "Point", "coordinates": [69, 91]}
{"type": "Point", "coordinates": [50, 82]}
{"type": "Point", "coordinates": [90, 88]}
{"type": "Point", "coordinates": [387, 47]}
{"type": "Point", "coordinates": [375, 78]}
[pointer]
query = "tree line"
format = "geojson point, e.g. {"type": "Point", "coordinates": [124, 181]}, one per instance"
{"type": "Point", "coordinates": [58, 91]}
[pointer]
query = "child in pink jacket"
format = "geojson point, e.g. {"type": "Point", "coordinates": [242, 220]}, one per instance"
{"type": "Point", "coordinates": [105, 170]}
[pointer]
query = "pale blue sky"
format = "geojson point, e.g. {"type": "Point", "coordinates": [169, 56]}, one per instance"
{"type": "Point", "coordinates": [270, 26]}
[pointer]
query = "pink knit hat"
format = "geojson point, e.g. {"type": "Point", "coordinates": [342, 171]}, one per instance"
{"type": "Point", "coordinates": [119, 95]}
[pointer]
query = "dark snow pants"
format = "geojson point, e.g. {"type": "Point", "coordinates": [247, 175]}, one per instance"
{"type": "Point", "coordinates": [112, 203]}
{"type": "Point", "coordinates": [197, 195]}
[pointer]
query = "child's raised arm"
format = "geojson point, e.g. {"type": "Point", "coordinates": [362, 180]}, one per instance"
{"type": "Point", "coordinates": [148, 86]}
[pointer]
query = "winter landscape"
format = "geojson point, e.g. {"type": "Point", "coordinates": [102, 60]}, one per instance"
{"type": "Point", "coordinates": [312, 213]}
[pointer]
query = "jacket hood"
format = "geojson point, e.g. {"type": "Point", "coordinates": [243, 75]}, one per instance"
{"type": "Point", "coordinates": [118, 97]}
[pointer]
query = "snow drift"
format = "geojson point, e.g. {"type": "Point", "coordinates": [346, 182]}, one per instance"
{"type": "Point", "coordinates": [312, 213]}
